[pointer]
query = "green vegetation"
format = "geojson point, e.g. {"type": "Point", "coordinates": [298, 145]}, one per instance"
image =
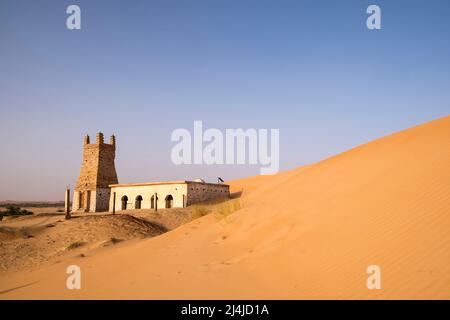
{"type": "Point", "coordinates": [5, 204]}
{"type": "Point", "coordinates": [221, 209]}
{"type": "Point", "coordinates": [224, 209]}
{"type": "Point", "coordinates": [14, 211]}
{"type": "Point", "coordinates": [115, 240]}
{"type": "Point", "coordinates": [76, 244]}
{"type": "Point", "coordinates": [199, 210]}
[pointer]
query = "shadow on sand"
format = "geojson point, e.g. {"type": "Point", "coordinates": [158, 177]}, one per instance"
{"type": "Point", "coordinates": [19, 287]}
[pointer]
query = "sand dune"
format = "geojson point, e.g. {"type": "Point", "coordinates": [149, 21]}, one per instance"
{"type": "Point", "coordinates": [30, 242]}
{"type": "Point", "coordinates": [307, 233]}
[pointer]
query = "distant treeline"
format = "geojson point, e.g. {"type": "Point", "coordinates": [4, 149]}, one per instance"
{"type": "Point", "coordinates": [32, 204]}
{"type": "Point", "coordinates": [14, 211]}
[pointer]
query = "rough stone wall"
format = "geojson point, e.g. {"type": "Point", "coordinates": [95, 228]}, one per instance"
{"type": "Point", "coordinates": [96, 174]}
{"type": "Point", "coordinates": [82, 200]}
{"type": "Point", "coordinates": [199, 192]}
{"type": "Point", "coordinates": [106, 171]}
{"type": "Point", "coordinates": [102, 199]}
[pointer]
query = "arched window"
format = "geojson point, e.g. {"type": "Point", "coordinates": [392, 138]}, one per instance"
{"type": "Point", "coordinates": [169, 201]}
{"type": "Point", "coordinates": [137, 203]}
{"type": "Point", "coordinates": [152, 202]}
{"type": "Point", "coordinates": [124, 202]}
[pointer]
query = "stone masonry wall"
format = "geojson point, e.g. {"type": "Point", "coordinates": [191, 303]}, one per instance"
{"type": "Point", "coordinates": [199, 192]}
{"type": "Point", "coordinates": [96, 174]}
{"type": "Point", "coordinates": [102, 199]}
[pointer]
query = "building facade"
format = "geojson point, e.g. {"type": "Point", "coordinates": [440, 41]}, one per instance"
{"type": "Point", "coordinates": [164, 195]}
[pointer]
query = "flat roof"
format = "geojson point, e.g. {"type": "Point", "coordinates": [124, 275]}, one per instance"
{"type": "Point", "coordinates": [142, 184]}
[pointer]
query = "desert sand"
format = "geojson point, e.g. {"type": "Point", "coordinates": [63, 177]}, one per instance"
{"type": "Point", "coordinates": [30, 242]}
{"type": "Point", "coordinates": [303, 234]}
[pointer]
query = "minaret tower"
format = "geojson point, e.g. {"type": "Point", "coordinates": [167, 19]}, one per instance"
{"type": "Point", "coordinates": [97, 173]}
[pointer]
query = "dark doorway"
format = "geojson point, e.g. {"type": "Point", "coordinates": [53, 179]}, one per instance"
{"type": "Point", "coordinates": [80, 200]}
{"type": "Point", "coordinates": [137, 204]}
{"type": "Point", "coordinates": [124, 202]}
{"type": "Point", "coordinates": [169, 201]}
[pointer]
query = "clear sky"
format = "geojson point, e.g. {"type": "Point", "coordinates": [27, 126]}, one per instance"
{"type": "Point", "coordinates": [141, 69]}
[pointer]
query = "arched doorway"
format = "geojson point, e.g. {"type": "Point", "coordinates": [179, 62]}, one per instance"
{"type": "Point", "coordinates": [169, 201]}
{"type": "Point", "coordinates": [152, 202]}
{"type": "Point", "coordinates": [124, 202]}
{"type": "Point", "coordinates": [137, 203]}
{"type": "Point", "coordinates": [80, 200]}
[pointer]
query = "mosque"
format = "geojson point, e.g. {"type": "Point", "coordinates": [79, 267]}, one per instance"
{"type": "Point", "coordinates": [98, 189]}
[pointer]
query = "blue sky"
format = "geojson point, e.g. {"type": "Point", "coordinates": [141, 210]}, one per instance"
{"type": "Point", "coordinates": [141, 69]}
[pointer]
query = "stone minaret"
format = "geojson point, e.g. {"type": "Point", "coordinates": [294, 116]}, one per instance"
{"type": "Point", "coordinates": [97, 172]}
